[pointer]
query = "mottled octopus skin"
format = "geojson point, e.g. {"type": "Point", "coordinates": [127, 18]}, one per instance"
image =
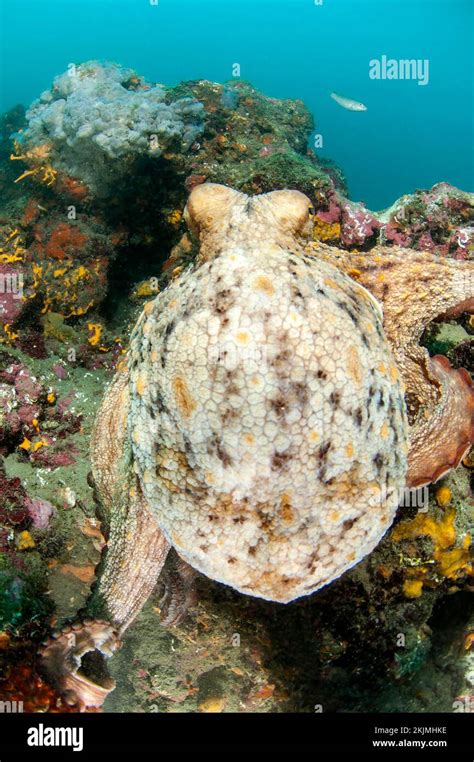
{"type": "Point", "coordinates": [267, 420]}
{"type": "Point", "coordinates": [259, 425]}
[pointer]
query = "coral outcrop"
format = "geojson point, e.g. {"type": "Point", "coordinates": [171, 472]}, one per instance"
{"type": "Point", "coordinates": [98, 118]}
{"type": "Point", "coordinates": [439, 220]}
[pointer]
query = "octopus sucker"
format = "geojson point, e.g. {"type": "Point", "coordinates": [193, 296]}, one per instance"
{"type": "Point", "coordinates": [177, 590]}
{"type": "Point", "coordinates": [274, 488]}
{"type": "Point", "coordinates": [67, 655]}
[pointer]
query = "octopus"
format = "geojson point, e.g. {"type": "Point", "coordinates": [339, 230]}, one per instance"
{"type": "Point", "coordinates": [274, 403]}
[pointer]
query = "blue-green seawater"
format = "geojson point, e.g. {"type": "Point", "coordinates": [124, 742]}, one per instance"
{"type": "Point", "coordinates": [411, 135]}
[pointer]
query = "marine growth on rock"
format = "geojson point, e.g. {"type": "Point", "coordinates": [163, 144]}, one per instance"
{"type": "Point", "coordinates": [97, 113]}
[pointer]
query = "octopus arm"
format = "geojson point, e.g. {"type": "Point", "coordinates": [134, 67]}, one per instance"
{"type": "Point", "coordinates": [414, 289]}
{"type": "Point", "coordinates": [74, 658]}
{"type": "Point", "coordinates": [440, 440]}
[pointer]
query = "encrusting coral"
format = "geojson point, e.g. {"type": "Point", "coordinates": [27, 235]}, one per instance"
{"type": "Point", "coordinates": [96, 113]}
{"type": "Point", "coordinates": [266, 355]}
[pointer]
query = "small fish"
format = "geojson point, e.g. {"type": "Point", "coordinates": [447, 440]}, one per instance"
{"type": "Point", "coordinates": [348, 103]}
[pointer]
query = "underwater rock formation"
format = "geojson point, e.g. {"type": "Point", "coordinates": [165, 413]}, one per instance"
{"type": "Point", "coordinates": [23, 604]}
{"type": "Point", "coordinates": [196, 131]}
{"type": "Point", "coordinates": [52, 265]}
{"type": "Point", "coordinates": [99, 117]}
{"type": "Point", "coordinates": [33, 422]}
{"type": "Point", "coordinates": [255, 143]}
{"type": "Point", "coordinates": [440, 220]}
{"type": "Point", "coordinates": [176, 466]}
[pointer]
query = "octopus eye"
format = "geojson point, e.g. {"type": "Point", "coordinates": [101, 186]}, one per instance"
{"type": "Point", "coordinates": [208, 204]}
{"type": "Point", "coordinates": [312, 210]}
{"type": "Point", "coordinates": [290, 208]}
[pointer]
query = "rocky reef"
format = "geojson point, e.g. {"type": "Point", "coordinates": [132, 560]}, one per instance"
{"type": "Point", "coordinates": [77, 263]}
{"type": "Point", "coordinates": [97, 119]}
{"type": "Point", "coordinates": [439, 220]}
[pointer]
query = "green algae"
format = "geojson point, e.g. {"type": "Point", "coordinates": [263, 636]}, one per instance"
{"type": "Point", "coordinates": [443, 338]}
{"type": "Point", "coordinates": [54, 327]}
{"type": "Point", "coordinates": [23, 603]}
